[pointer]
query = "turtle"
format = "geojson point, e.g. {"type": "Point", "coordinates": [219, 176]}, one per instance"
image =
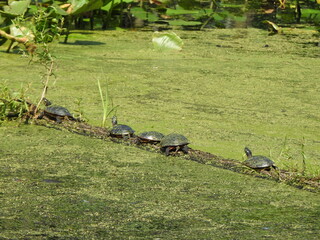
{"type": "Point", "coordinates": [174, 142]}
{"type": "Point", "coordinates": [55, 112]}
{"type": "Point", "coordinates": [150, 137]}
{"type": "Point", "coordinates": [120, 130]}
{"type": "Point", "coordinates": [58, 113]}
{"type": "Point", "coordinates": [258, 162]}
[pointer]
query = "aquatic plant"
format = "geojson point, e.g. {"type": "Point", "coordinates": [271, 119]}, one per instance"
{"type": "Point", "coordinates": [12, 103]}
{"type": "Point", "coordinates": [35, 27]}
{"type": "Point", "coordinates": [107, 105]}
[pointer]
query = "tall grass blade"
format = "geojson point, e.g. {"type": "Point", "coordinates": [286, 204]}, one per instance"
{"type": "Point", "coordinates": [304, 157]}
{"type": "Point", "coordinates": [104, 102]}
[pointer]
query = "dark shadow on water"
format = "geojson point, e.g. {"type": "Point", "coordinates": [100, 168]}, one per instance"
{"type": "Point", "coordinates": [311, 44]}
{"type": "Point", "coordinates": [88, 43]}
{"type": "Point", "coordinates": [83, 32]}
{"type": "Point", "coordinates": [15, 52]}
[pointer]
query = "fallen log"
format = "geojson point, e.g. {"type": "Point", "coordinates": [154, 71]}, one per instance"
{"type": "Point", "coordinates": [280, 175]}
{"type": "Point", "coordinates": [77, 126]}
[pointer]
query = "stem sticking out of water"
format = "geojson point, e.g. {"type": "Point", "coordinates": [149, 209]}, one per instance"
{"type": "Point", "coordinates": [303, 157]}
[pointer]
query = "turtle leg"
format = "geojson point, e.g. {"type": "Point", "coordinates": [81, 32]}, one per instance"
{"type": "Point", "coordinates": [277, 170]}
{"type": "Point", "coordinates": [41, 115]}
{"type": "Point", "coordinates": [176, 149]}
{"type": "Point", "coordinates": [167, 151]}
{"type": "Point", "coordinates": [137, 141]}
{"type": "Point", "coordinates": [58, 119]}
{"type": "Point", "coordinates": [185, 149]}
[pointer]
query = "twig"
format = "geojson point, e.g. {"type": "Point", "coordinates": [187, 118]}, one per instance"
{"type": "Point", "coordinates": [30, 46]}
{"type": "Point", "coordinates": [45, 88]}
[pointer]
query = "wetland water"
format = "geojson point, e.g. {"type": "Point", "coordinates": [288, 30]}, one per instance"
{"type": "Point", "coordinates": [225, 90]}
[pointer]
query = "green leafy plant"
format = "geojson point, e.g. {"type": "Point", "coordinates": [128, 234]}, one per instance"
{"type": "Point", "coordinates": [107, 105]}
{"type": "Point", "coordinates": [79, 113]}
{"type": "Point", "coordinates": [46, 26]}
{"type": "Point", "coordinates": [287, 155]}
{"type": "Point", "coordinates": [12, 103]}
{"type": "Point", "coordinates": [285, 150]}
{"type": "Point", "coordinates": [35, 27]}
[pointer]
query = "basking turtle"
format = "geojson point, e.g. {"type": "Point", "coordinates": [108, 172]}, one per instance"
{"type": "Point", "coordinates": [258, 162]}
{"type": "Point", "coordinates": [56, 113]}
{"type": "Point", "coordinates": [150, 137]}
{"type": "Point", "coordinates": [120, 130]}
{"type": "Point", "coordinates": [174, 142]}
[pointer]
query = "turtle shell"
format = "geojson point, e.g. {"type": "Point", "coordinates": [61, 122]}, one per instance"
{"type": "Point", "coordinates": [151, 136]}
{"type": "Point", "coordinates": [174, 140]}
{"type": "Point", "coordinates": [259, 162]}
{"type": "Point", "coordinates": [58, 111]}
{"type": "Point", "coordinates": [121, 130]}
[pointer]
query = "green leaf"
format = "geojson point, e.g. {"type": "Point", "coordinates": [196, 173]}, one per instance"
{"type": "Point", "coordinates": [15, 8]}
{"type": "Point", "coordinates": [167, 41]}
{"type": "Point", "coordinates": [58, 10]}
{"type": "Point", "coordinates": [111, 4]}
{"type": "Point", "coordinates": [80, 6]}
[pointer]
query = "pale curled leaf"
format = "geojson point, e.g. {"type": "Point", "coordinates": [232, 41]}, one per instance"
{"type": "Point", "coordinates": [167, 41]}
{"type": "Point", "coordinates": [21, 32]}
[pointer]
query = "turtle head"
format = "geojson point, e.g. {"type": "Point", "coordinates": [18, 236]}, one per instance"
{"type": "Point", "coordinates": [248, 152]}
{"type": "Point", "coordinates": [46, 102]}
{"type": "Point", "coordinates": [114, 120]}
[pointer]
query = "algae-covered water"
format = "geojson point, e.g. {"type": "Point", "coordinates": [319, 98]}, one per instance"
{"type": "Point", "coordinates": [57, 185]}
{"type": "Point", "coordinates": [225, 90]}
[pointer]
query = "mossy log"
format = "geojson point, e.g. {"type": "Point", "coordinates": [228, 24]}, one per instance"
{"type": "Point", "coordinates": [291, 178]}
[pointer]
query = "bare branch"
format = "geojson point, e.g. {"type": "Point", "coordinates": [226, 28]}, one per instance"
{"type": "Point", "coordinates": [30, 46]}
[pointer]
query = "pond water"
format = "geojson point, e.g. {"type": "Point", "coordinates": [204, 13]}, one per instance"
{"type": "Point", "coordinates": [195, 15]}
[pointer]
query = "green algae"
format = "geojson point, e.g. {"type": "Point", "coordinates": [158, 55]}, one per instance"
{"type": "Point", "coordinates": [225, 90]}
{"type": "Point", "coordinates": [58, 185]}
